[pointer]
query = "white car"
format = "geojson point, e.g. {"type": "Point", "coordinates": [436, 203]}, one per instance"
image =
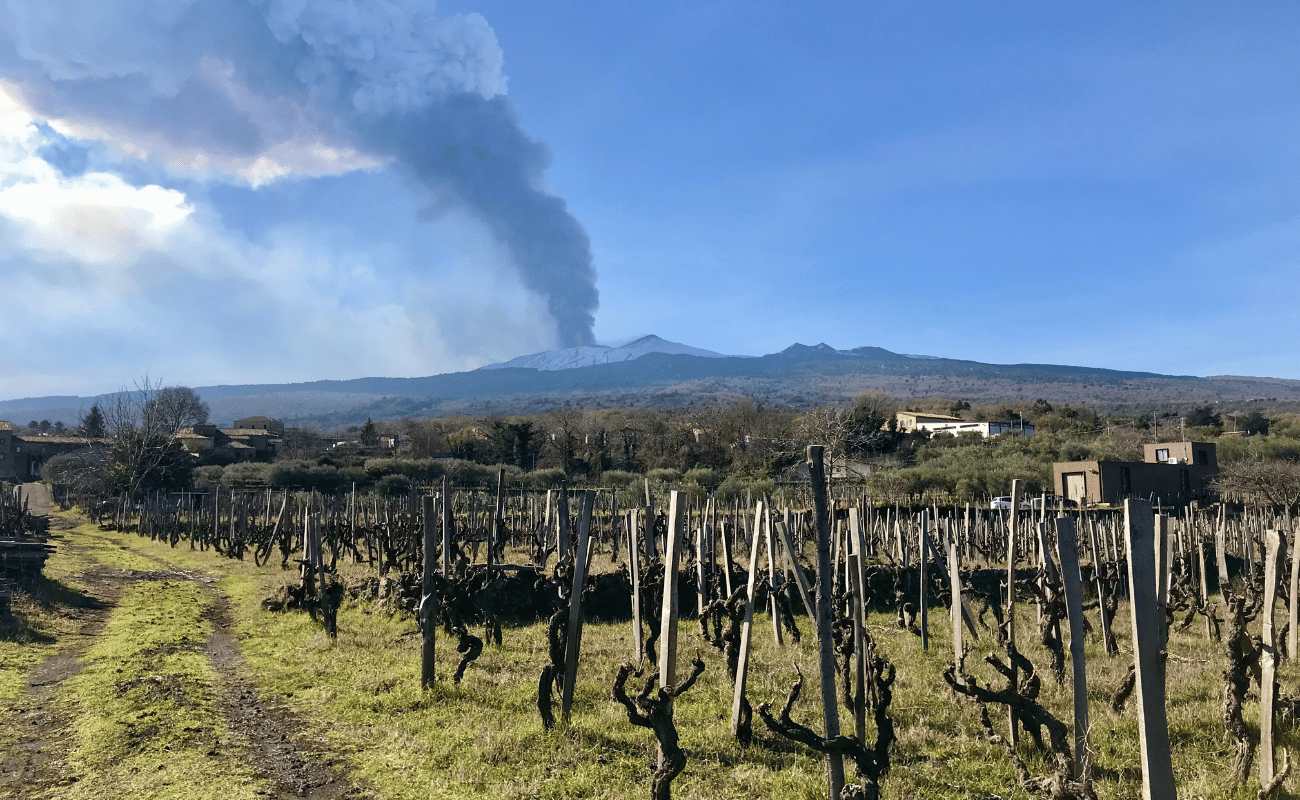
{"type": "Point", "coordinates": [1003, 503]}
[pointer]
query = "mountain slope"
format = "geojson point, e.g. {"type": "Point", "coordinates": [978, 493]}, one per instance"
{"type": "Point", "coordinates": [574, 357]}
{"type": "Point", "coordinates": [799, 376]}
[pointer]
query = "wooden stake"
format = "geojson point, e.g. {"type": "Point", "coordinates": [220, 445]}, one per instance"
{"type": "Point", "coordinates": [446, 527]}
{"type": "Point", "coordinates": [1014, 738]}
{"type": "Point", "coordinates": [801, 580]}
{"type": "Point", "coordinates": [1153, 724]}
{"type": "Point", "coordinates": [1293, 601]}
{"type": "Point", "coordinates": [1268, 655]}
{"type": "Point", "coordinates": [1071, 579]}
{"type": "Point", "coordinates": [668, 620]}
{"type": "Point", "coordinates": [427, 675]}
{"type": "Point", "coordinates": [954, 581]}
{"type": "Point", "coordinates": [746, 627]}
{"type": "Point", "coordinates": [573, 644]}
{"type": "Point", "coordinates": [634, 569]}
{"type": "Point", "coordinates": [923, 548]}
{"type": "Point", "coordinates": [825, 646]}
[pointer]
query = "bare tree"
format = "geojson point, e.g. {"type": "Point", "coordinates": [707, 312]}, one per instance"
{"type": "Point", "coordinates": [142, 425]}
{"type": "Point", "coordinates": [1267, 482]}
{"type": "Point", "coordinates": [174, 408]}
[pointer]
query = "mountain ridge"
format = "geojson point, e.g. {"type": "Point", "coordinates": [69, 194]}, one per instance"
{"type": "Point", "coordinates": [799, 376]}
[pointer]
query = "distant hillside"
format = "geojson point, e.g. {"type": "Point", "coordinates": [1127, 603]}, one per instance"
{"type": "Point", "coordinates": [800, 376]}
{"type": "Point", "coordinates": [574, 357]}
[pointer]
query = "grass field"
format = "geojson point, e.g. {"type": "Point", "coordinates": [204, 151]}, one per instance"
{"type": "Point", "coordinates": [361, 700]}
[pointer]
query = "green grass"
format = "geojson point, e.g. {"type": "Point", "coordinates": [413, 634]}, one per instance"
{"type": "Point", "coordinates": [145, 718]}
{"type": "Point", "coordinates": [360, 696]}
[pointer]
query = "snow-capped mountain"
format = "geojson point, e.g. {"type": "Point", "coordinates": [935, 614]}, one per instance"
{"type": "Point", "coordinates": [586, 356]}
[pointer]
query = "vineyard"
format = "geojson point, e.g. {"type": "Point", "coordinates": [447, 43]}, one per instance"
{"type": "Point", "coordinates": [513, 642]}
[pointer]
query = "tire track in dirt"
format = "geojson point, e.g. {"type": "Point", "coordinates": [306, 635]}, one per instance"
{"type": "Point", "coordinates": [37, 757]}
{"type": "Point", "coordinates": [269, 735]}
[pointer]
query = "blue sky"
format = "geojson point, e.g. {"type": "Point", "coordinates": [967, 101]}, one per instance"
{"type": "Point", "coordinates": [1098, 184]}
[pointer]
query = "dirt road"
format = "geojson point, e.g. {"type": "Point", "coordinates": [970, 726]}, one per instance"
{"type": "Point", "coordinates": [69, 611]}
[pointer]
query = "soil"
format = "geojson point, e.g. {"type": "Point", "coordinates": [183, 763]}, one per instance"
{"type": "Point", "coordinates": [268, 737]}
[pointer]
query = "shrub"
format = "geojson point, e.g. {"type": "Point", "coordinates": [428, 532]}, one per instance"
{"type": "Point", "coordinates": [393, 486]}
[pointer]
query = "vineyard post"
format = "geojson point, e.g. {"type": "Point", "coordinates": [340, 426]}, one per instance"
{"type": "Point", "coordinates": [923, 550]}
{"type": "Point", "coordinates": [495, 531]}
{"type": "Point", "coordinates": [746, 627]}
{"type": "Point", "coordinates": [701, 588]}
{"type": "Point", "coordinates": [446, 527]}
{"type": "Point", "coordinates": [726, 556]}
{"type": "Point", "coordinates": [1220, 546]}
{"type": "Point", "coordinates": [562, 523]}
{"type": "Point", "coordinates": [668, 619]}
{"type": "Point", "coordinates": [825, 645]}
{"type": "Point", "coordinates": [1162, 578]}
{"type": "Point", "coordinates": [634, 571]}
{"type": "Point", "coordinates": [801, 580]}
{"type": "Point", "coordinates": [859, 643]}
{"type": "Point", "coordinates": [954, 581]}
{"type": "Point", "coordinates": [573, 643]}
{"type": "Point", "coordinates": [651, 546]}
{"type": "Point", "coordinates": [427, 676]}
{"type": "Point", "coordinates": [1293, 602]}
{"type": "Point", "coordinates": [1012, 524]}
{"type": "Point", "coordinates": [1071, 579]}
{"type": "Point", "coordinates": [1268, 655]}
{"type": "Point", "coordinates": [775, 587]}
{"type": "Point", "coordinates": [860, 545]}
{"type": "Point", "coordinates": [1148, 642]}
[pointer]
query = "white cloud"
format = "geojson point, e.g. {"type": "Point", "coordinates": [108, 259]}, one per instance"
{"type": "Point", "coordinates": [123, 280]}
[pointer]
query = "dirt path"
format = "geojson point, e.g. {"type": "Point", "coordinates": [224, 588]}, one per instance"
{"type": "Point", "coordinates": [266, 737]}
{"type": "Point", "coordinates": [44, 737]}
{"type": "Point", "coordinates": [269, 735]}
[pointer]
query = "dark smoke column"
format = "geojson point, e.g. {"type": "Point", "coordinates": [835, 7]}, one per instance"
{"type": "Point", "coordinates": [472, 149]}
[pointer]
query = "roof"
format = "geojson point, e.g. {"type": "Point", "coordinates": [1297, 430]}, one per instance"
{"type": "Point", "coordinates": [245, 432]}
{"type": "Point", "coordinates": [47, 439]}
{"type": "Point", "coordinates": [6, 426]}
{"type": "Point", "coordinates": [927, 415]}
{"type": "Point", "coordinates": [239, 446]}
{"type": "Point", "coordinates": [258, 418]}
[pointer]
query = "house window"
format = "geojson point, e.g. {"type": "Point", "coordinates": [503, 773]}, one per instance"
{"type": "Point", "coordinates": [1185, 481]}
{"type": "Point", "coordinates": [1125, 481]}
{"type": "Point", "coordinates": [1162, 455]}
{"type": "Point", "coordinates": [1202, 457]}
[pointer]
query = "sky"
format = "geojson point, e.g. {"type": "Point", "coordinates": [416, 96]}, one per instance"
{"type": "Point", "coordinates": [268, 191]}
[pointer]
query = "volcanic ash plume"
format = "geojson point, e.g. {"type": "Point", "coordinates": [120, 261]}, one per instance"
{"type": "Point", "coordinates": [254, 91]}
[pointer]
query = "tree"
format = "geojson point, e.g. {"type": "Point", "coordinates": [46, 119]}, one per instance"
{"type": "Point", "coordinates": [1262, 482]}
{"type": "Point", "coordinates": [369, 434]}
{"type": "Point", "coordinates": [92, 425]}
{"type": "Point", "coordinates": [1251, 422]}
{"type": "Point", "coordinates": [566, 431]}
{"type": "Point", "coordinates": [142, 425]}
{"type": "Point", "coordinates": [45, 426]}
{"type": "Point", "coordinates": [174, 408]}
{"type": "Point", "coordinates": [870, 414]}
{"type": "Point", "coordinates": [1203, 417]}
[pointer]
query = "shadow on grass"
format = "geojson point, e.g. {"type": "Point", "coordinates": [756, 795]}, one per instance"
{"type": "Point", "coordinates": [49, 596]}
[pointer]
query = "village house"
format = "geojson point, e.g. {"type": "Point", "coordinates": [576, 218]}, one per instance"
{"type": "Point", "coordinates": [23, 452]}
{"type": "Point", "coordinates": [1171, 473]}
{"type": "Point", "coordinates": [237, 443]}
{"type": "Point", "coordinates": [913, 421]}
{"type": "Point", "coordinates": [273, 426]}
